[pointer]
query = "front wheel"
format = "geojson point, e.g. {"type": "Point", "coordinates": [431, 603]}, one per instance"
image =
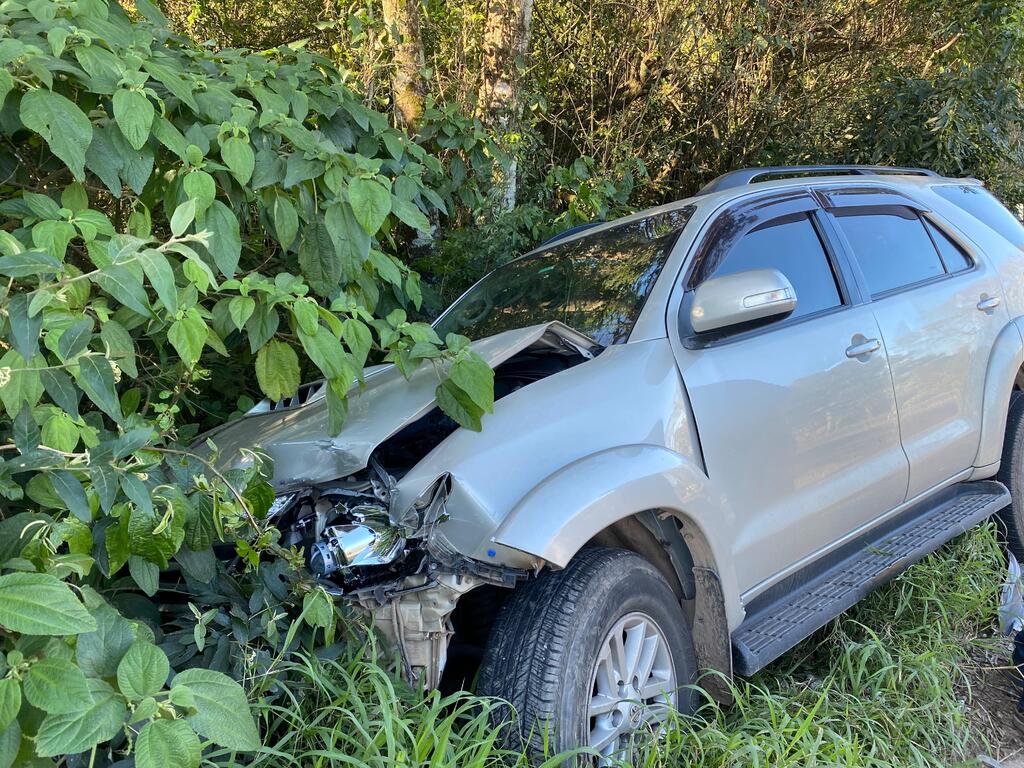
{"type": "Point", "coordinates": [592, 655]}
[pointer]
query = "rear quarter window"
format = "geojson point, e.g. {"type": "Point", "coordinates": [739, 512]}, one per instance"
{"type": "Point", "coordinates": [986, 208]}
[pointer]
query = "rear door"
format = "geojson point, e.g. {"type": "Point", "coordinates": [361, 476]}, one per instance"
{"type": "Point", "coordinates": [938, 306]}
{"type": "Point", "coordinates": [797, 418]}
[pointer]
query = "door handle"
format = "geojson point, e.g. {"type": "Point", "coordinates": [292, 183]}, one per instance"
{"type": "Point", "coordinates": [863, 347]}
{"type": "Point", "coordinates": [988, 303]}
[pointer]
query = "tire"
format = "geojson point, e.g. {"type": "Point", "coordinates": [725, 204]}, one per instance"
{"type": "Point", "coordinates": [1011, 474]}
{"type": "Point", "coordinates": [543, 653]}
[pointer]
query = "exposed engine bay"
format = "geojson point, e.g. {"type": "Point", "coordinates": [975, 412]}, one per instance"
{"type": "Point", "coordinates": [358, 548]}
{"type": "Point", "coordinates": [350, 539]}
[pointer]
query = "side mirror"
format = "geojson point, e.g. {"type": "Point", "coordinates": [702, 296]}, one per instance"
{"type": "Point", "coordinates": [743, 297]}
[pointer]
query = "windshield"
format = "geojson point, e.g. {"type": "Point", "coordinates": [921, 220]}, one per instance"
{"type": "Point", "coordinates": [596, 284]}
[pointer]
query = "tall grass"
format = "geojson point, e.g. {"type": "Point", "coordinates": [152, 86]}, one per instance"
{"type": "Point", "coordinates": [881, 687]}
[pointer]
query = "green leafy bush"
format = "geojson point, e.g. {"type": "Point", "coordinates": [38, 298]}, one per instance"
{"type": "Point", "coordinates": [175, 219]}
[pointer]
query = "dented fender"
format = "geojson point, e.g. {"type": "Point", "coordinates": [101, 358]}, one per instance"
{"type": "Point", "coordinates": [567, 509]}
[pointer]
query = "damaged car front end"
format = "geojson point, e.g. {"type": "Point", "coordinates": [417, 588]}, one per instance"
{"type": "Point", "coordinates": [402, 513]}
{"type": "Point", "coordinates": [376, 534]}
{"type": "Point", "coordinates": [392, 567]}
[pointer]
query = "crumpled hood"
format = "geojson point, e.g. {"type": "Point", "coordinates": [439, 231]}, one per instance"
{"type": "Point", "coordinates": [298, 439]}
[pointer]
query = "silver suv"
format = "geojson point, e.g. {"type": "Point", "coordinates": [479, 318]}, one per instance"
{"type": "Point", "coordinates": [719, 424]}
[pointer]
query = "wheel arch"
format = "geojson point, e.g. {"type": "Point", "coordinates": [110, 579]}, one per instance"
{"type": "Point", "coordinates": [655, 502]}
{"type": "Point", "coordinates": [1004, 374]}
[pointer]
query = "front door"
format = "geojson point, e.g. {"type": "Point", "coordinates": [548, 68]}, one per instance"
{"type": "Point", "coordinates": [797, 418]}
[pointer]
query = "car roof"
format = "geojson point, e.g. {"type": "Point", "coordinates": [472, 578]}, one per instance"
{"type": "Point", "coordinates": [716, 193]}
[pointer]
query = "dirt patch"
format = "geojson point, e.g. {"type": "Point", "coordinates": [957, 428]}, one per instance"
{"type": "Point", "coordinates": [994, 693]}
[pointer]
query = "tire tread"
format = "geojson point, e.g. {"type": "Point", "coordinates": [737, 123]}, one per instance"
{"type": "Point", "coordinates": [529, 641]}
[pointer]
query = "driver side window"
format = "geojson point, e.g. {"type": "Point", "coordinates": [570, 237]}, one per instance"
{"type": "Point", "coordinates": [791, 245]}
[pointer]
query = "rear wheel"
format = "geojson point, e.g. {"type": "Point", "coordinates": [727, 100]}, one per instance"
{"type": "Point", "coordinates": [1011, 474]}
{"type": "Point", "coordinates": [593, 655]}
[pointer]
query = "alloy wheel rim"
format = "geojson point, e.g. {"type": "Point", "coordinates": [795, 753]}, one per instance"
{"type": "Point", "coordinates": [633, 686]}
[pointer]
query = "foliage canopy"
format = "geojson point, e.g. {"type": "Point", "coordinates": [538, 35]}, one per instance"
{"type": "Point", "coordinates": [175, 219]}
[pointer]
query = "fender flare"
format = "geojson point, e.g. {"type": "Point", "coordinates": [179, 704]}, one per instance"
{"type": "Point", "coordinates": [1004, 365]}
{"type": "Point", "coordinates": [568, 508]}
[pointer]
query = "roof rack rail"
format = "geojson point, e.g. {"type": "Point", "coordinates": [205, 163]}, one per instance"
{"type": "Point", "coordinates": [744, 176]}
{"type": "Point", "coordinates": [570, 232]}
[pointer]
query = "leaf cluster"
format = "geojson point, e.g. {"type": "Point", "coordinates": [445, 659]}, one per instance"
{"type": "Point", "coordinates": [170, 213]}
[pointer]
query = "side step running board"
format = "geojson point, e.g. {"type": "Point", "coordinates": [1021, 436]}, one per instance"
{"type": "Point", "coordinates": [772, 630]}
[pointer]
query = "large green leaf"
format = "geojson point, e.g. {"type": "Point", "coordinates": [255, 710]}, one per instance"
{"type": "Point", "coordinates": [143, 671]}
{"type": "Point", "coordinates": [10, 744]}
{"type": "Point", "coordinates": [183, 216]}
{"type": "Point", "coordinates": [145, 574]}
{"type": "Point", "coordinates": [358, 339]}
{"type": "Point", "coordinates": [60, 122]}
{"type": "Point", "coordinates": [53, 237]}
{"type": "Point", "coordinates": [24, 329]}
{"type": "Point", "coordinates": [134, 115]}
{"type": "Point", "coordinates": [10, 701]}
{"type": "Point", "coordinates": [119, 345]}
{"type": "Point", "coordinates": [39, 604]}
{"type": "Point", "coordinates": [324, 349]}
{"type": "Point", "coordinates": [60, 432]}
{"type": "Point", "coordinates": [166, 743]}
{"type": "Point", "coordinates": [262, 326]}
{"type": "Point", "coordinates": [240, 309]}
{"type": "Point", "coordinates": [225, 238]}
{"type": "Point", "coordinates": [97, 381]}
{"type": "Point", "coordinates": [188, 335]}
{"type": "Point", "coordinates": [71, 492]}
{"type": "Point", "coordinates": [277, 370]}
{"type": "Point", "coordinates": [145, 540]}
{"type": "Point", "coordinates": [371, 203]}
{"type": "Point", "coordinates": [200, 186]}
{"type": "Point", "coordinates": [319, 259]}
{"type": "Point", "coordinates": [125, 285]}
{"type": "Point", "coordinates": [473, 376]}
{"type": "Point", "coordinates": [100, 652]}
{"type": "Point", "coordinates": [350, 240]}
{"type": "Point", "coordinates": [458, 405]}
{"type": "Point", "coordinates": [25, 385]}
{"type": "Point", "coordinates": [60, 388]}
{"type": "Point", "coordinates": [29, 263]}
{"type": "Point", "coordinates": [161, 277]}
{"type": "Point", "coordinates": [75, 338]}
{"type": "Point", "coordinates": [286, 221]}
{"type": "Point", "coordinates": [57, 686]}
{"type": "Point", "coordinates": [239, 157]}
{"type": "Point", "coordinates": [222, 711]}
{"type": "Point", "coordinates": [103, 159]}
{"type": "Point", "coordinates": [410, 214]}
{"type": "Point", "coordinates": [81, 730]}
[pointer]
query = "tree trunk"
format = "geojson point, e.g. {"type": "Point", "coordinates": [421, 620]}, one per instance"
{"type": "Point", "coordinates": [505, 48]}
{"type": "Point", "coordinates": [402, 18]}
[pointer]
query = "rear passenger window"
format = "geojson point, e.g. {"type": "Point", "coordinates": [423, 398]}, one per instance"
{"type": "Point", "coordinates": [792, 246]}
{"type": "Point", "coordinates": [983, 205]}
{"type": "Point", "coordinates": [952, 254]}
{"type": "Point", "coordinates": [891, 245]}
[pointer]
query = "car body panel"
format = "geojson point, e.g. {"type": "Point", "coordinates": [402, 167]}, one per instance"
{"type": "Point", "coordinates": [801, 441]}
{"type": "Point", "coordinates": [939, 345]}
{"type": "Point", "coordinates": [630, 394]}
{"type": "Point", "coordinates": [604, 487]}
{"type": "Point", "coordinates": [1003, 373]}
